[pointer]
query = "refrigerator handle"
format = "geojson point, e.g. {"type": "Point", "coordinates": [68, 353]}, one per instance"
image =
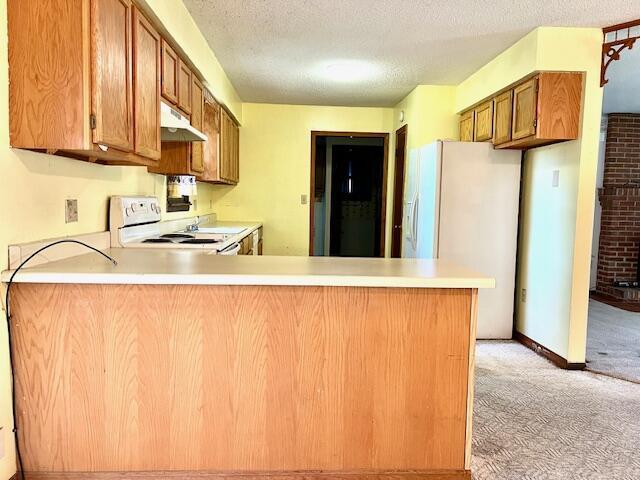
{"type": "Point", "coordinates": [414, 223]}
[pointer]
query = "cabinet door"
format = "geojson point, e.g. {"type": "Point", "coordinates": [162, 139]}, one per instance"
{"type": "Point", "coordinates": [483, 125]}
{"type": "Point", "coordinates": [525, 99]}
{"type": "Point", "coordinates": [466, 126]}
{"type": "Point", "coordinates": [235, 157]}
{"type": "Point", "coordinates": [211, 148]}
{"type": "Point", "coordinates": [185, 86]}
{"type": "Point", "coordinates": [503, 111]}
{"type": "Point", "coordinates": [170, 63]}
{"type": "Point", "coordinates": [197, 103]}
{"type": "Point", "coordinates": [111, 74]}
{"type": "Point", "coordinates": [225, 146]}
{"type": "Point", "coordinates": [146, 87]}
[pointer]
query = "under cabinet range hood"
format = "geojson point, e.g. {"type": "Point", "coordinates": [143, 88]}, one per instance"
{"type": "Point", "coordinates": [175, 127]}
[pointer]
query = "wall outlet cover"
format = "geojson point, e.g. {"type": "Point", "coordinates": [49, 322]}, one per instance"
{"type": "Point", "coordinates": [555, 181]}
{"type": "Point", "coordinates": [71, 210]}
{"type": "Point", "coordinates": [523, 295]}
{"type": "Point", "coordinates": [304, 199]}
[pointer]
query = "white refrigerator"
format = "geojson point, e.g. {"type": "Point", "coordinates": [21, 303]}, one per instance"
{"type": "Point", "coordinates": [461, 203]}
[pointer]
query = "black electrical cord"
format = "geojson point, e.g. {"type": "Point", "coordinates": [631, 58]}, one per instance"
{"type": "Point", "coordinates": [10, 340]}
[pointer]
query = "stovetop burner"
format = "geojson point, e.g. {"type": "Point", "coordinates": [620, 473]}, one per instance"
{"type": "Point", "coordinates": [157, 240]}
{"type": "Point", "coordinates": [200, 240]}
{"type": "Point", "coordinates": [177, 235]}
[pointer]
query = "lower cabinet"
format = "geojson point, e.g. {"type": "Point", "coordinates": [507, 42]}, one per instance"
{"type": "Point", "coordinates": [540, 110]}
{"type": "Point", "coordinates": [247, 246]}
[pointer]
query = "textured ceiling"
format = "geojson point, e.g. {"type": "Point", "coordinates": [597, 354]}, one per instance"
{"type": "Point", "coordinates": [276, 50]}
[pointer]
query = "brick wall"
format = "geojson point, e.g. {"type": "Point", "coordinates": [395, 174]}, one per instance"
{"type": "Point", "coordinates": [620, 200]}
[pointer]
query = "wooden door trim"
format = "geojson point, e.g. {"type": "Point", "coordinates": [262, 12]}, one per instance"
{"type": "Point", "coordinates": [385, 166]}
{"type": "Point", "coordinates": [398, 195]}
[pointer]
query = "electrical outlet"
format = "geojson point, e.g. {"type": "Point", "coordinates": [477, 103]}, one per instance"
{"type": "Point", "coordinates": [303, 199]}
{"type": "Point", "coordinates": [71, 210]}
{"type": "Point", "coordinates": [523, 295]}
{"type": "Point", "coordinates": [555, 180]}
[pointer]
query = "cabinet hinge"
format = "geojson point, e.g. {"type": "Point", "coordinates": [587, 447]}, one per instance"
{"type": "Point", "coordinates": [92, 121]}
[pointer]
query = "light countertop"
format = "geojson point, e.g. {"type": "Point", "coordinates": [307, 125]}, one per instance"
{"type": "Point", "coordinates": [196, 267]}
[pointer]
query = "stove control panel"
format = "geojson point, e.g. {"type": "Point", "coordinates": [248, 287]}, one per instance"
{"type": "Point", "coordinates": [128, 211]}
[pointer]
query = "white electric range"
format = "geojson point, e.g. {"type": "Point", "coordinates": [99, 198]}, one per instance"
{"type": "Point", "coordinates": [134, 222]}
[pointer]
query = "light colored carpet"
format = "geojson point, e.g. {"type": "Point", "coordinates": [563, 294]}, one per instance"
{"type": "Point", "coordinates": [534, 421]}
{"type": "Point", "coordinates": [613, 341]}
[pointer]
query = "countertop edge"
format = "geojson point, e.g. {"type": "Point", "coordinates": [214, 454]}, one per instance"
{"type": "Point", "coordinates": [251, 280]}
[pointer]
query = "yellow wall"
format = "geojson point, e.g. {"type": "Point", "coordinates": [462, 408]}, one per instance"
{"type": "Point", "coordinates": [556, 226]}
{"type": "Point", "coordinates": [275, 151]}
{"type": "Point", "coordinates": [429, 115]}
{"type": "Point", "coordinates": [35, 186]}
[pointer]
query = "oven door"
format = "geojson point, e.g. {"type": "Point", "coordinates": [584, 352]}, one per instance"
{"type": "Point", "coordinates": [230, 250]}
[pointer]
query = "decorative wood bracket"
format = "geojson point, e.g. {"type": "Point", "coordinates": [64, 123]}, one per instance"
{"type": "Point", "coordinates": [616, 39]}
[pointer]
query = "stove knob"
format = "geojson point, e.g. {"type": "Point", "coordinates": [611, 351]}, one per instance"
{"type": "Point", "coordinates": [127, 211]}
{"type": "Point", "coordinates": [133, 207]}
{"type": "Point", "coordinates": [156, 207]}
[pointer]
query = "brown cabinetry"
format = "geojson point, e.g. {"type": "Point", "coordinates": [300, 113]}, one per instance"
{"type": "Point", "coordinates": [71, 81]}
{"type": "Point", "coordinates": [170, 63]}
{"type": "Point", "coordinates": [503, 111]}
{"type": "Point", "coordinates": [197, 104]}
{"type": "Point", "coordinates": [185, 86]}
{"type": "Point", "coordinates": [146, 87]}
{"type": "Point", "coordinates": [229, 149]}
{"type": "Point", "coordinates": [111, 74]}
{"type": "Point", "coordinates": [524, 109]}
{"type": "Point", "coordinates": [466, 126]}
{"type": "Point", "coordinates": [483, 124]}
{"type": "Point", "coordinates": [539, 110]}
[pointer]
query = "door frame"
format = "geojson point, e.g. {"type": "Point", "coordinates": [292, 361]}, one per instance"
{"type": "Point", "coordinates": [312, 184]}
{"type": "Point", "coordinates": [398, 193]}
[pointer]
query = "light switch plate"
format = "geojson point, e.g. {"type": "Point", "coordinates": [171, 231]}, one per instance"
{"type": "Point", "coordinates": [71, 210]}
{"type": "Point", "coordinates": [304, 199]}
{"type": "Point", "coordinates": [555, 181]}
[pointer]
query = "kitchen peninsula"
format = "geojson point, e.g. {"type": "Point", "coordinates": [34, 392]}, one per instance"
{"type": "Point", "coordinates": [178, 363]}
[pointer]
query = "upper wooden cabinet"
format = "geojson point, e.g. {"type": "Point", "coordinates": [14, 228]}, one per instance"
{"type": "Point", "coordinates": [222, 149]}
{"type": "Point", "coordinates": [503, 112]}
{"type": "Point", "coordinates": [229, 149]}
{"type": "Point", "coordinates": [111, 75]}
{"type": "Point", "coordinates": [197, 104]}
{"type": "Point", "coordinates": [483, 125]}
{"type": "Point", "coordinates": [185, 85]}
{"type": "Point", "coordinates": [170, 64]}
{"type": "Point", "coordinates": [71, 85]}
{"type": "Point", "coordinates": [524, 109]}
{"type": "Point", "coordinates": [539, 110]}
{"type": "Point", "coordinates": [146, 81]}
{"type": "Point", "coordinates": [466, 126]}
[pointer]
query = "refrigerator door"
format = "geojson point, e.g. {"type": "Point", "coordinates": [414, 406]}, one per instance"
{"type": "Point", "coordinates": [426, 211]}
{"type": "Point", "coordinates": [479, 224]}
{"type": "Point", "coordinates": [410, 192]}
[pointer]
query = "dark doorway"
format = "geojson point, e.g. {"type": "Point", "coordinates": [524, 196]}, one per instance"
{"type": "Point", "coordinates": [348, 186]}
{"type": "Point", "coordinates": [398, 192]}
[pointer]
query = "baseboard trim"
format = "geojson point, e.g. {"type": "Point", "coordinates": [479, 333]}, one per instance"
{"type": "Point", "coordinates": [543, 351]}
{"type": "Point", "coordinates": [284, 475]}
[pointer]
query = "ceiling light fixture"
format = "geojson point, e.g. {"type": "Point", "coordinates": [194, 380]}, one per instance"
{"type": "Point", "coordinates": [350, 71]}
